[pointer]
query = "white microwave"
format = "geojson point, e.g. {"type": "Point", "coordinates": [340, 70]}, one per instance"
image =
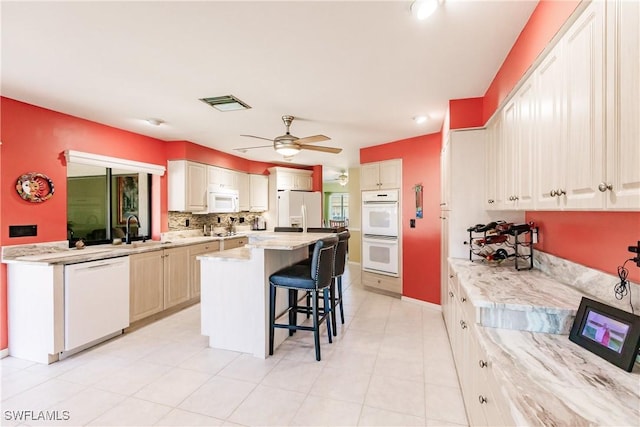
{"type": "Point", "coordinates": [222, 200]}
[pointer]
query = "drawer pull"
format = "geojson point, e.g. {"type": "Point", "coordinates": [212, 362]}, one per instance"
{"type": "Point", "coordinates": [451, 294]}
{"type": "Point", "coordinates": [463, 324]}
{"type": "Point", "coordinates": [482, 363]}
{"type": "Point", "coordinates": [482, 399]}
{"type": "Point", "coordinates": [463, 299]}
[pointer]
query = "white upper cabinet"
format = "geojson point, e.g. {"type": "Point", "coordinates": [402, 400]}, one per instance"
{"type": "Point", "coordinates": [549, 153]}
{"type": "Point", "coordinates": [223, 178]}
{"type": "Point", "coordinates": [187, 186]}
{"type": "Point", "coordinates": [381, 175]}
{"type": "Point", "coordinates": [494, 159]}
{"type": "Point", "coordinates": [244, 191]}
{"type": "Point", "coordinates": [292, 179]}
{"type": "Point", "coordinates": [517, 142]}
{"type": "Point", "coordinates": [259, 193]}
{"type": "Point", "coordinates": [622, 184]}
{"type": "Point", "coordinates": [584, 83]}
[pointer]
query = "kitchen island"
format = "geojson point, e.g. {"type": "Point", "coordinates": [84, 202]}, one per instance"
{"type": "Point", "coordinates": [235, 290]}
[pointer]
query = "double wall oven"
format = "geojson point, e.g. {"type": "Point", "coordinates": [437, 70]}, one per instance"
{"type": "Point", "coordinates": [380, 224]}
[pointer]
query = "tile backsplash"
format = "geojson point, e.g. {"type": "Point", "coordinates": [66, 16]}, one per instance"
{"type": "Point", "coordinates": [178, 220]}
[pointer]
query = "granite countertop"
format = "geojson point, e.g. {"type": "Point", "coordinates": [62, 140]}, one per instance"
{"type": "Point", "coordinates": [523, 321]}
{"type": "Point", "coordinates": [550, 380]}
{"type": "Point", "coordinates": [55, 253]}
{"type": "Point", "coordinates": [270, 240]}
{"type": "Point", "coordinates": [526, 300]}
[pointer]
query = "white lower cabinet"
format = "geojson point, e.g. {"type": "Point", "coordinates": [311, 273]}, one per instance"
{"type": "Point", "coordinates": [479, 389]}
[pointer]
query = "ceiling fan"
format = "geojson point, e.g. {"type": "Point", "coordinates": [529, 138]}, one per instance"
{"type": "Point", "coordinates": [289, 145]}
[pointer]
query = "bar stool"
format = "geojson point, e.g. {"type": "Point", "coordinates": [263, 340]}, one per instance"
{"type": "Point", "coordinates": [338, 271]}
{"type": "Point", "coordinates": [312, 278]}
{"type": "Point", "coordinates": [336, 282]}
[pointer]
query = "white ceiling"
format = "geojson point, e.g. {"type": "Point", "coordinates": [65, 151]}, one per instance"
{"type": "Point", "coordinates": [355, 71]}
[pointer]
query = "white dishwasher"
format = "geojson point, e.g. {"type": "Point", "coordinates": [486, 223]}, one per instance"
{"type": "Point", "coordinates": [96, 301]}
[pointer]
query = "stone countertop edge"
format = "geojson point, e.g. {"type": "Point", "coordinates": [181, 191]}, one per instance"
{"type": "Point", "coordinates": [235, 254]}
{"type": "Point", "coordinates": [535, 290]}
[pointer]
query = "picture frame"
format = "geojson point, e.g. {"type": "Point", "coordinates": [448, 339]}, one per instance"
{"type": "Point", "coordinates": [127, 187]}
{"type": "Point", "coordinates": [608, 332]}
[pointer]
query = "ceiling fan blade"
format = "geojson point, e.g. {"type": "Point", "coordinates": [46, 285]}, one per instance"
{"type": "Point", "coordinates": [320, 148]}
{"type": "Point", "coordinates": [312, 139]}
{"type": "Point", "coordinates": [243, 149]}
{"type": "Point", "coordinates": [259, 137]}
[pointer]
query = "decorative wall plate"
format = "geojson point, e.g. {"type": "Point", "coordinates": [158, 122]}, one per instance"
{"type": "Point", "coordinates": [35, 187]}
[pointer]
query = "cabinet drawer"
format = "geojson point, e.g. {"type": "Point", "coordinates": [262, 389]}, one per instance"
{"type": "Point", "coordinates": [384, 283]}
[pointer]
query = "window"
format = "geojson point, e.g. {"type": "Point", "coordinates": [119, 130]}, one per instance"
{"type": "Point", "coordinates": [339, 207]}
{"type": "Point", "coordinates": [100, 199]}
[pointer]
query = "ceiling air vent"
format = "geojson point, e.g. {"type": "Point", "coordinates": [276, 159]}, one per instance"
{"type": "Point", "coordinates": [226, 103]}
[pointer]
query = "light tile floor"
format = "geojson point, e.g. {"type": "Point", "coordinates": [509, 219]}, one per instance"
{"type": "Point", "coordinates": [391, 364]}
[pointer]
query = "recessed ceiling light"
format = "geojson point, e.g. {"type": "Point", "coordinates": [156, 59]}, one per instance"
{"type": "Point", "coordinates": [154, 122]}
{"type": "Point", "coordinates": [422, 9]}
{"type": "Point", "coordinates": [420, 119]}
{"type": "Point", "coordinates": [226, 103]}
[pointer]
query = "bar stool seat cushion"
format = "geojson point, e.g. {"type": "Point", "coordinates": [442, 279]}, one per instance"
{"type": "Point", "coordinates": [297, 276]}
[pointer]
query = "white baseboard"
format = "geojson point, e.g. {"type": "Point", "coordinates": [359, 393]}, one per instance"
{"type": "Point", "coordinates": [4, 353]}
{"type": "Point", "coordinates": [426, 304]}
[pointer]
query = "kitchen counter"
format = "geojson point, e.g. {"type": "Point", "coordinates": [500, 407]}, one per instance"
{"type": "Point", "coordinates": [234, 286]}
{"type": "Point", "coordinates": [59, 253]}
{"type": "Point", "coordinates": [526, 300]}
{"type": "Point", "coordinates": [542, 377]}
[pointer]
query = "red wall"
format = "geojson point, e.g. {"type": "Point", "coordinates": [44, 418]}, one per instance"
{"type": "Point", "coordinates": [421, 245]}
{"type": "Point", "coordinates": [596, 239]}
{"type": "Point", "coordinates": [466, 113]}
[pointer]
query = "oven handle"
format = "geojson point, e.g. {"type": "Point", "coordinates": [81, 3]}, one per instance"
{"type": "Point", "coordinates": [379, 202]}
{"type": "Point", "coordinates": [380, 239]}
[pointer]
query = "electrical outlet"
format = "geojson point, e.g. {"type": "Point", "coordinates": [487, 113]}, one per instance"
{"type": "Point", "coordinates": [186, 222]}
{"type": "Point", "coordinates": [412, 223]}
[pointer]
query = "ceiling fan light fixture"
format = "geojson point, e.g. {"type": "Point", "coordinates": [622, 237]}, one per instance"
{"type": "Point", "coordinates": [226, 103]}
{"type": "Point", "coordinates": [343, 179]}
{"type": "Point", "coordinates": [288, 149]}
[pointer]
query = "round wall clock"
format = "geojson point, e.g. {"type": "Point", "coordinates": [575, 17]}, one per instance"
{"type": "Point", "coordinates": [35, 187]}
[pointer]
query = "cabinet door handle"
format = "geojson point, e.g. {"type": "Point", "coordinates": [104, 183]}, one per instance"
{"type": "Point", "coordinates": [463, 299]}
{"type": "Point", "coordinates": [491, 201]}
{"type": "Point", "coordinates": [451, 276]}
{"type": "Point", "coordinates": [482, 363]}
{"type": "Point", "coordinates": [560, 192]}
{"type": "Point", "coordinates": [604, 187]}
{"type": "Point", "coordinates": [552, 193]}
{"type": "Point", "coordinates": [463, 324]}
{"type": "Point", "coordinates": [482, 399]}
{"type": "Point", "coordinates": [450, 294]}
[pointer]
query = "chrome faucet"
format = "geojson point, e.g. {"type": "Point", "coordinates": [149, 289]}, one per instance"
{"type": "Point", "coordinates": [128, 236]}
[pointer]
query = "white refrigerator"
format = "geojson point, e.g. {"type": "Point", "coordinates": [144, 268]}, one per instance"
{"type": "Point", "coordinates": [299, 209]}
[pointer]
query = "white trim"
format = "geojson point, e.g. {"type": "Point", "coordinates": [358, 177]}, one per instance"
{"type": "Point", "coordinates": [426, 304]}
{"type": "Point", "coordinates": [74, 156]}
{"type": "Point", "coordinates": [4, 353]}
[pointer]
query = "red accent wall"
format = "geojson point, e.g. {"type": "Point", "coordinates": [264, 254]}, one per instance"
{"type": "Point", "coordinates": [544, 23]}
{"type": "Point", "coordinates": [596, 239]}
{"type": "Point", "coordinates": [421, 245]}
{"type": "Point", "coordinates": [466, 113]}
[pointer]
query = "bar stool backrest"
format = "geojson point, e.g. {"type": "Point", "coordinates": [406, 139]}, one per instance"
{"type": "Point", "coordinates": [322, 261]}
{"type": "Point", "coordinates": [341, 253]}
{"type": "Point", "coordinates": [288, 229]}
